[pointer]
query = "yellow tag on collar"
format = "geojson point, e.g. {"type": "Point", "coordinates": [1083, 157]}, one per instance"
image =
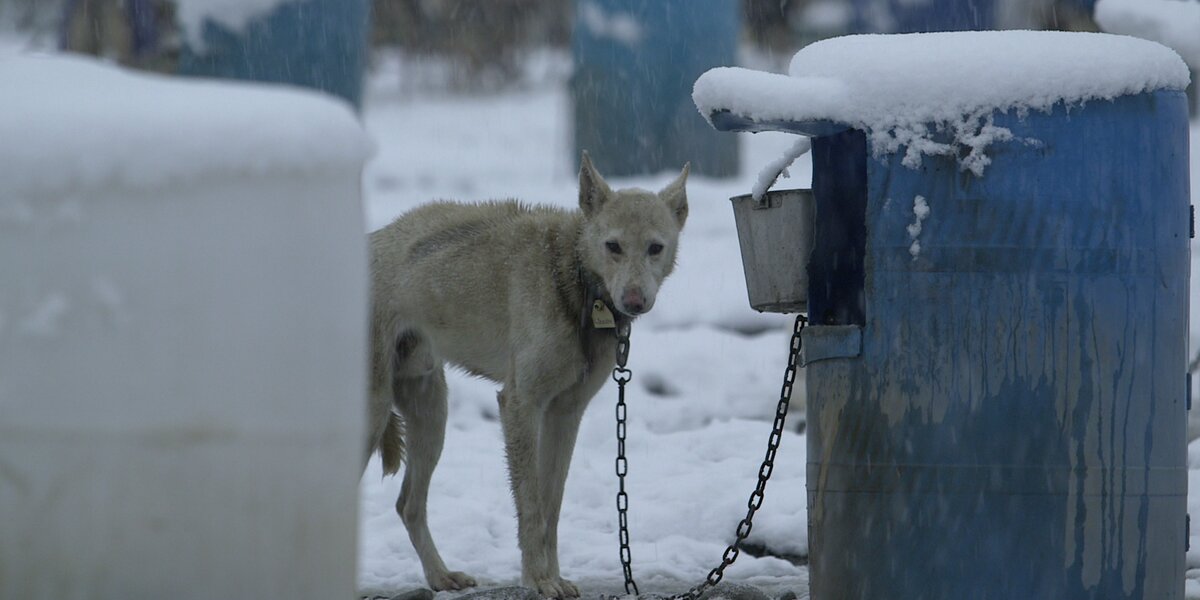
{"type": "Point", "coordinates": [602, 318]}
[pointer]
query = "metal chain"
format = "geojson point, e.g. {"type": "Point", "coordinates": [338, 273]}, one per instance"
{"type": "Point", "coordinates": [622, 376]}
{"type": "Point", "coordinates": [764, 472]}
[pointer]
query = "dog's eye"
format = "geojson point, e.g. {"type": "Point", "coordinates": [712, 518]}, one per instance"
{"type": "Point", "coordinates": [655, 249]}
{"type": "Point", "coordinates": [613, 247]}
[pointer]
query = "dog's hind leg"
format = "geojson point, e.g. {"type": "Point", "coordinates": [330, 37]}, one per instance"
{"type": "Point", "coordinates": [387, 348]}
{"type": "Point", "coordinates": [421, 401]}
{"type": "Point", "coordinates": [378, 411]}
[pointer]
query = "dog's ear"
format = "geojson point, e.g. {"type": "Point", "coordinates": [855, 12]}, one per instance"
{"type": "Point", "coordinates": [593, 191]}
{"type": "Point", "coordinates": [675, 195]}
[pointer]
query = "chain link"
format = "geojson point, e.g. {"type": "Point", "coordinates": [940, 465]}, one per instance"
{"type": "Point", "coordinates": [622, 376]}
{"type": "Point", "coordinates": [764, 472]}
{"type": "Point", "coordinates": [623, 329]}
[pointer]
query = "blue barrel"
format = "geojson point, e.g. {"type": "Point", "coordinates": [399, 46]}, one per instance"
{"type": "Point", "coordinates": [635, 63]}
{"type": "Point", "coordinates": [1000, 412]}
{"type": "Point", "coordinates": [319, 44]}
{"type": "Point", "coordinates": [907, 16]}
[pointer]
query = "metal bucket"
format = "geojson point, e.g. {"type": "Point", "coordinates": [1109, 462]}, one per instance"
{"type": "Point", "coordinates": [776, 238]}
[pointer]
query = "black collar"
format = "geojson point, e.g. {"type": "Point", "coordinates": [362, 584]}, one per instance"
{"type": "Point", "coordinates": [593, 289]}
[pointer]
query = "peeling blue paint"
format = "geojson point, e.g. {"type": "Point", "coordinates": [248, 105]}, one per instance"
{"type": "Point", "coordinates": [1015, 424]}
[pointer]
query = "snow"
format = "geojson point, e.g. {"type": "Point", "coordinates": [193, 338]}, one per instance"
{"type": "Point", "coordinates": [1173, 23]}
{"type": "Point", "coordinates": [920, 212]}
{"type": "Point", "coordinates": [706, 367]}
{"type": "Point", "coordinates": [915, 90]}
{"type": "Point", "coordinates": [827, 15]}
{"type": "Point", "coordinates": [779, 167]}
{"type": "Point", "coordinates": [102, 125]}
{"type": "Point", "coordinates": [168, 249]}
{"type": "Point", "coordinates": [706, 376]}
{"type": "Point", "coordinates": [192, 15]}
{"type": "Point", "coordinates": [619, 26]}
{"type": "Point", "coordinates": [46, 318]}
{"type": "Point", "coordinates": [16, 211]}
{"type": "Point", "coordinates": [769, 97]}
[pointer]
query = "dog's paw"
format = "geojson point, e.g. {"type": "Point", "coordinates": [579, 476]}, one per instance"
{"type": "Point", "coordinates": [556, 587]}
{"type": "Point", "coordinates": [450, 581]}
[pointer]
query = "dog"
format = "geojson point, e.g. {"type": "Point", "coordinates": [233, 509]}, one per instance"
{"type": "Point", "coordinates": [506, 291]}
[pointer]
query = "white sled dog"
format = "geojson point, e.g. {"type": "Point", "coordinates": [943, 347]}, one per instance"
{"type": "Point", "coordinates": [506, 291]}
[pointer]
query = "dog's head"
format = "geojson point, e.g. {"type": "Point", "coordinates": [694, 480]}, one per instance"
{"type": "Point", "coordinates": [630, 236]}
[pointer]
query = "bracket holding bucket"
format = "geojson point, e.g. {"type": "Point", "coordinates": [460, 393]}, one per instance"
{"type": "Point", "coordinates": [775, 234]}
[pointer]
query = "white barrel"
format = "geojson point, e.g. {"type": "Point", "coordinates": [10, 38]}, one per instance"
{"type": "Point", "coordinates": [183, 305]}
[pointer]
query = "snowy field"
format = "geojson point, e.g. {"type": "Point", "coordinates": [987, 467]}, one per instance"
{"type": "Point", "coordinates": [707, 371]}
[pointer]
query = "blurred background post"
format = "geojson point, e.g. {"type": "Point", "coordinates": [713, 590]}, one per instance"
{"type": "Point", "coordinates": [635, 63]}
{"type": "Point", "coordinates": [321, 44]}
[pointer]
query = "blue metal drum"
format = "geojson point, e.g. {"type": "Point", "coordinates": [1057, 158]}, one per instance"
{"type": "Point", "coordinates": [319, 44]}
{"type": "Point", "coordinates": [998, 412]}
{"type": "Point", "coordinates": [635, 63]}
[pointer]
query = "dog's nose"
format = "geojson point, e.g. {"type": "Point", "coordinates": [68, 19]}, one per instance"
{"type": "Point", "coordinates": [633, 301]}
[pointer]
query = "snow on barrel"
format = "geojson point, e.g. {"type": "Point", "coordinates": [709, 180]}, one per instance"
{"type": "Point", "coordinates": [182, 336]}
{"type": "Point", "coordinates": [935, 93]}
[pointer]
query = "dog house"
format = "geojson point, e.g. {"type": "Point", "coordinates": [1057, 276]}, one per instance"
{"type": "Point", "coordinates": [182, 337]}
{"type": "Point", "coordinates": [998, 296]}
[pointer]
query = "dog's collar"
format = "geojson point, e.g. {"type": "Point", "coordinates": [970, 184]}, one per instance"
{"type": "Point", "coordinates": [593, 291]}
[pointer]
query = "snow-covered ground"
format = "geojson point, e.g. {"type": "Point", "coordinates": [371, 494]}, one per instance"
{"type": "Point", "coordinates": [707, 371]}
{"type": "Point", "coordinates": [707, 374]}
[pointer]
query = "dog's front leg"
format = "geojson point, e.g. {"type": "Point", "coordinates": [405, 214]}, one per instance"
{"type": "Point", "coordinates": [560, 427]}
{"type": "Point", "coordinates": [521, 411]}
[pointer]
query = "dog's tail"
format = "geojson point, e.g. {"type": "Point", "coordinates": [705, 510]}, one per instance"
{"type": "Point", "coordinates": [391, 445]}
